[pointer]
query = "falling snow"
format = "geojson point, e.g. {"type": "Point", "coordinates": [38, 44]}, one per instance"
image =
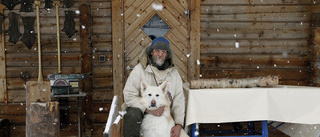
{"type": "Point", "coordinates": [198, 62]}
{"type": "Point", "coordinates": [237, 44]}
{"type": "Point", "coordinates": [157, 7]}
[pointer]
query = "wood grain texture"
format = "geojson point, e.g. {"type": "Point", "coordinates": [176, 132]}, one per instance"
{"type": "Point", "coordinates": [3, 75]}
{"type": "Point", "coordinates": [118, 49]}
{"type": "Point", "coordinates": [239, 40]}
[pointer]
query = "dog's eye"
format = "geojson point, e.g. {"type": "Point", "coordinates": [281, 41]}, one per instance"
{"type": "Point", "coordinates": [157, 95]}
{"type": "Point", "coordinates": [149, 94]}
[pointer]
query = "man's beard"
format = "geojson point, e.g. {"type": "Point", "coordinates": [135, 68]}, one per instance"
{"type": "Point", "coordinates": [157, 61]}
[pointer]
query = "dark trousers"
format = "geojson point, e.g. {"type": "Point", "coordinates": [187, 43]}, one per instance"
{"type": "Point", "coordinates": [132, 122]}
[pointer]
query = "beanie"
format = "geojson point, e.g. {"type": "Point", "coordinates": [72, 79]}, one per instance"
{"type": "Point", "coordinates": [160, 43]}
{"type": "Point", "coordinates": [158, 39]}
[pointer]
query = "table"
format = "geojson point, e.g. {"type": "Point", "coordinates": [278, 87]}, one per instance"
{"type": "Point", "coordinates": [77, 107]}
{"type": "Point", "coordinates": [292, 104]}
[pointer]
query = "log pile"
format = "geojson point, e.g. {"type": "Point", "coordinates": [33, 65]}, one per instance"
{"type": "Point", "coordinates": [234, 83]}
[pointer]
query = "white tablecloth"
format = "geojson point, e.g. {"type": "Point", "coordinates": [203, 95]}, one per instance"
{"type": "Point", "coordinates": [293, 104]}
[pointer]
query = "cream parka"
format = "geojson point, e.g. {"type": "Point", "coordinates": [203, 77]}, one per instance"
{"type": "Point", "coordinates": [145, 71]}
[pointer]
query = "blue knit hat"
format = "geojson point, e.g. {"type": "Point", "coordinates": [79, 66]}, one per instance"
{"type": "Point", "coordinates": [160, 43]}
{"type": "Point", "coordinates": [160, 39]}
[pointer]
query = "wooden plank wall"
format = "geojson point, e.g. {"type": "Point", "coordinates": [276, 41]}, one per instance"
{"type": "Point", "coordinates": [193, 66]}
{"type": "Point", "coordinates": [3, 76]}
{"type": "Point", "coordinates": [269, 37]}
{"type": "Point", "coordinates": [22, 64]}
{"type": "Point", "coordinates": [274, 39]}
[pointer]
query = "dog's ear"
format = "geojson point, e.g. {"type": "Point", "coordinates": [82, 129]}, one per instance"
{"type": "Point", "coordinates": [164, 86]}
{"type": "Point", "coordinates": [144, 86]}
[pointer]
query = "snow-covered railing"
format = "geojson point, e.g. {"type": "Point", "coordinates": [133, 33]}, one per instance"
{"type": "Point", "coordinates": [112, 117]}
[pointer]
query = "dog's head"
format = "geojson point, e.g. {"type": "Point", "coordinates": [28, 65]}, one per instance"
{"type": "Point", "coordinates": [154, 96]}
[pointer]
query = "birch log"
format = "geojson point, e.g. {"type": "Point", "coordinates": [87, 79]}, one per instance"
{"type": "Point", "coordinates": [235, 83]}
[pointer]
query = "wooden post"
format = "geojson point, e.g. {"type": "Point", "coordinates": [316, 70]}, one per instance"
{"type": "Point", "coordinates": [116, 129]}
{"type": "Point", "coordinates": [3, 75]}
{"type": "Point", "coordinates": [315, 16]}
{"type": "Point", "coordinates": [118, 49]}
{"type": "Point", "coordinates": [42, 120]}
{"type": "Point", "coordinates": [41, 114]}
{"type": "Point", "coordinates": [194, 59]}
{"type": "Point", "coordinates": [86, 65]}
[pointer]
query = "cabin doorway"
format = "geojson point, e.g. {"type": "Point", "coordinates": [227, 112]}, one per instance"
{"type": "Point", "coordinates": [147, 19]}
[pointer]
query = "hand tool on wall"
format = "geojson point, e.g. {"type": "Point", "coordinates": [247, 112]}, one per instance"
{"type": "Point", "coordinates": [37, 4]}
{"type": "Point", "coordinates": [57, 4]}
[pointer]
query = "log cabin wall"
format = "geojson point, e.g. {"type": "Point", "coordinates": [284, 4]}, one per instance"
{"type": "Point", "coordinates": [266, 37]}
{"type": "Point", "coordinates": [238, 40]}
{"type": "Point", "coordinates": [22, 64]}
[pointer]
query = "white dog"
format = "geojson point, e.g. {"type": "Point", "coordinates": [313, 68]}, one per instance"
{"type": "Point", "coordinates": [155, 97]}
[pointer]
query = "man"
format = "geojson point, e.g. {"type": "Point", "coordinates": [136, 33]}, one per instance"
{"type": "Point", "coordinates": [155, 67]}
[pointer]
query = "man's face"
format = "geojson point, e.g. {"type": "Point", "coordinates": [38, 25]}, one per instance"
{"type": "Point", "coordinates": [159, 56]}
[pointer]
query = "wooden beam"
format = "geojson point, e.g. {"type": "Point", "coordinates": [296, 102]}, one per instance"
{"type": "Point", "coordinates": [316, 50]}
{"type": "Point", "coordinates": [86, 65]}
{"type": "Point", "coordinates": [118, 49]}
{"type": "Point", "coordinates": [3, 76]}
{"type": "Point", "coordinates": [194, 58]}
{"type": "Point", "coordinates": [116, 129]}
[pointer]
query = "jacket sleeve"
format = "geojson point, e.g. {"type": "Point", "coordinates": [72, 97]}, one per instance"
{"type": "Point", "coordinates": [131, 91]}
{"type": "Point", "coordinates": [178, 103]}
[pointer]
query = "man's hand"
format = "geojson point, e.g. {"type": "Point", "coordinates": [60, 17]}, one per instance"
{"type": "Point", "coordinates": [176, 130]}
{"type": "Point", "coordinates": [157, 112]}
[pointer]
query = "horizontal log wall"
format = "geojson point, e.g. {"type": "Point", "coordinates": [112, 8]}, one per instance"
{"type": "Point", "coordinates": [275, 38]}
{"type": "Point", "coordinates": [266, 37]}
{"type": "Point", "coordinates": [22, 64]}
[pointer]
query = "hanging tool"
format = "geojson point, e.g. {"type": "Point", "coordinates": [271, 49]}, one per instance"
{"type": "Point", "coordinates": [37, 4]}
{"type": "Point", "coordinates": [57, 4]}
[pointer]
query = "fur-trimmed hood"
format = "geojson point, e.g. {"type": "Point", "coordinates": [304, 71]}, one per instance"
{"type": "Point", "coordinates": [145, 59]}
